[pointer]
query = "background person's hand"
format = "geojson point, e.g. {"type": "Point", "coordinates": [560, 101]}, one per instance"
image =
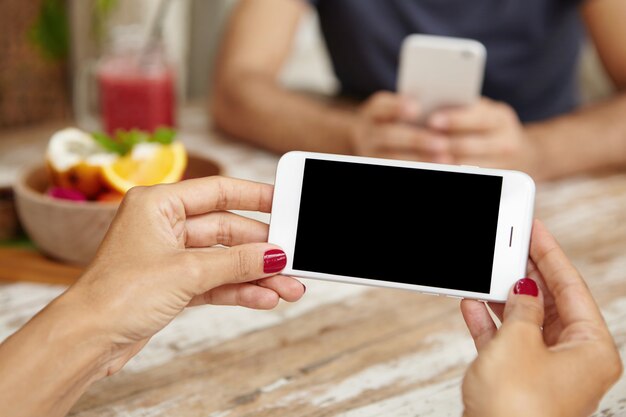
{"type": "Point", "coordinates": [553, 354]}
{"type": "Point", "coordinates": [486, 134]}
{"type": "Point", "coordinates": [387, 128]}
{"type": "Point", "coordinates": [159, 257]}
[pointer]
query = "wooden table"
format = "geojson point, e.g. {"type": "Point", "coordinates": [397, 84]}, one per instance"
{"type": "Point", "coordinates": [343, 350]}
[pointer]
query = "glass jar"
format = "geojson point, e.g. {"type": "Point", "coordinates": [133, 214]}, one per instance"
{"type": "Point", "coordinates": [136, 84]}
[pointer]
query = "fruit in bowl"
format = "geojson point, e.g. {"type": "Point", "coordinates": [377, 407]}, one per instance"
{"type": "Point", "coordinates": [97, 167]}
{"type": "Point", "coordinates": [75, 161]}
{"type": "Point", "coordinates": [67, 203]}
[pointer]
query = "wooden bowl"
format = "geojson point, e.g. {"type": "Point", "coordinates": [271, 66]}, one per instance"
{"type": "Point", "coordinates": [9, 226]}
{"type": "Point", "coordinates": [72, 231]}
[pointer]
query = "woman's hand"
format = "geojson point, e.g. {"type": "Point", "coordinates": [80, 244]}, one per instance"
{"type": "Point", "coordinates": [159, 257]}
{"type": "Point", "coordinates": [553, 354]}
{"type": "Point", "coordinates": [386, 128]}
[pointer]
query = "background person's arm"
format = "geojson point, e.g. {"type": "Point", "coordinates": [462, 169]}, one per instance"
{"type": "Point", "coordinates": [250, 104]}
{"type": "Point", "coordinates": [589, 140]}
{"type": "Point", "coordinates": [593, 138]}
{"type": "Point", "coordinates": [248, 101]}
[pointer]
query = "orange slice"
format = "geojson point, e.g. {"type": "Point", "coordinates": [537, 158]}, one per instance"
{"type": "Point", "coordinates": [147, 164]}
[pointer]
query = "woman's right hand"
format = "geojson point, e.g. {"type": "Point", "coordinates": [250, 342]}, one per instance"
{"type": "Point", "coordinates": [553, 354]}
{"type": "Point", "coordinates": [387, 127]}
{"type": "Point", "coordinates": [169, 247]}
{"type": "Point", "coordinates": [178, 245]}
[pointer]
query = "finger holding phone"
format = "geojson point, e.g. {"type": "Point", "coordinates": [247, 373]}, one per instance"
{"type": "Point", "coordinates": [487, 133]}
{"type": "Point", "coordinates": [387, 128]}
{"type": "Point", "coordinates": [435, 73]}
{"type": "Point", "coordinates": [553, 354]}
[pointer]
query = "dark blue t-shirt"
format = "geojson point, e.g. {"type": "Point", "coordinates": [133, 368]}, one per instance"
{"type": "Point", "coordinates": [532, 45]}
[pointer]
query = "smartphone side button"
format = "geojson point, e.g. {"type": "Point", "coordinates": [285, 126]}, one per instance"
{"type": "Point", "coordinates": [429, 293]}
{"type": "Point", "coordinates": [470, 166]}
{"type": "Point", "coordinates": [454, 296]}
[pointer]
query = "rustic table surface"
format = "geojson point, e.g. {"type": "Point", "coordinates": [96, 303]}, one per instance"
{"type": "Point", "coordinates": [343, 350]}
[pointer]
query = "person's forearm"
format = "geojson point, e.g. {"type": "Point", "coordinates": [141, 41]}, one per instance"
{"type": "Point", "coordinates": [256, 109]}
{"type": "Point", "coordinates": [49, 363]}
{"type": "Point", "coordinates": [590, 139]}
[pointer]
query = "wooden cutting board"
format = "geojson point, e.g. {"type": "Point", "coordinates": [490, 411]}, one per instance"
{"type": "Point", "coordinates": [27, 264]}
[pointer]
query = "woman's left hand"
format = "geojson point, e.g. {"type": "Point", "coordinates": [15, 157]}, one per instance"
{"type": "Point", "coordinates": [553, 354]}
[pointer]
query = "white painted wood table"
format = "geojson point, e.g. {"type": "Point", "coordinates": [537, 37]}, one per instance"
{"type": "Point", "coordinates": [343, 350]}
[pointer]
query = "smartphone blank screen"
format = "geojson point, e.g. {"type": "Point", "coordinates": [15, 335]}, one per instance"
{"type": "Point", "coordinates": [406, 225]}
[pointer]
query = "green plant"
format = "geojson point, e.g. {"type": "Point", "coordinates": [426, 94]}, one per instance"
{"type": "Point", "coordinates": [124, 140]}
{"type": "Point", "coordinates": [101, 11]}
{"type": "Point", "coordinates": [50, 33]}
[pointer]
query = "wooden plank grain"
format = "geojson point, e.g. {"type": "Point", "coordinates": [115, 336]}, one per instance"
{"type": "Point", "coordinates": [311, 352]}
{"type": "Point", "coordinates": [370, 355]}
{"type": "Point", "coordinates": [354, 354]}
{"type": "Point", "coordinates": [19, 264]}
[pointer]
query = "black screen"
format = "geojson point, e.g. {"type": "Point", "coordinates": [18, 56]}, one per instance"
{"type": "Point", "coordinates": [396, 224]}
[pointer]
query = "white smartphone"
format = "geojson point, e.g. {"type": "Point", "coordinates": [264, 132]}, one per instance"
{"type": "Point", "coordinates": [440, 71]}
{"type": "Point", "coordinates": [459, 231]}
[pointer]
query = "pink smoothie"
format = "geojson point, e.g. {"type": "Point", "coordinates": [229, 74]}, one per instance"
{"type": "Point", "coordinates": [134, 96]}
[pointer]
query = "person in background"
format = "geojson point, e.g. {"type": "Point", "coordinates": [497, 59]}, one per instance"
{"type": "Point", "coordinates": [529, 119]}
{"type": "Point", "coordinates": [159, 257]}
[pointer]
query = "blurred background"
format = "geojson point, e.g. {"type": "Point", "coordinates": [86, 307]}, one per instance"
{"type": "Point", "coordinates": [61, 60]}
{"type": "Point", "coordinates": [58, 57]}
{"type": "Point", "coordinates": [49, 50]}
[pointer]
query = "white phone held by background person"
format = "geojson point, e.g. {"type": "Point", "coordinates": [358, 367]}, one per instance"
{"type": "Point", "coordinates": [440, 229]}
{"type": "Point", "coordinates": [440, 72]}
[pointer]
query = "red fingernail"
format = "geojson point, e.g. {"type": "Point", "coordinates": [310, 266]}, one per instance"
{"type": "Point", "coordinates": [274, 260]}
{"type": "Point", "coordinates": [526, 286]}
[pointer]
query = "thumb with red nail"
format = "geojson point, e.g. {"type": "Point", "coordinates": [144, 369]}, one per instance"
{"type": "Point", "coordinates": [553, 354]}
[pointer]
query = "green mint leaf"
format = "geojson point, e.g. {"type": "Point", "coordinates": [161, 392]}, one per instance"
{"type": "Point", "coordinates": [163, 135]}
{"type": "Point", "coordinates": [124, 140]}
{"type": "Point", "coordinates": [129, 138]}
{"type": "Point", "coordinates": [108, 143]}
